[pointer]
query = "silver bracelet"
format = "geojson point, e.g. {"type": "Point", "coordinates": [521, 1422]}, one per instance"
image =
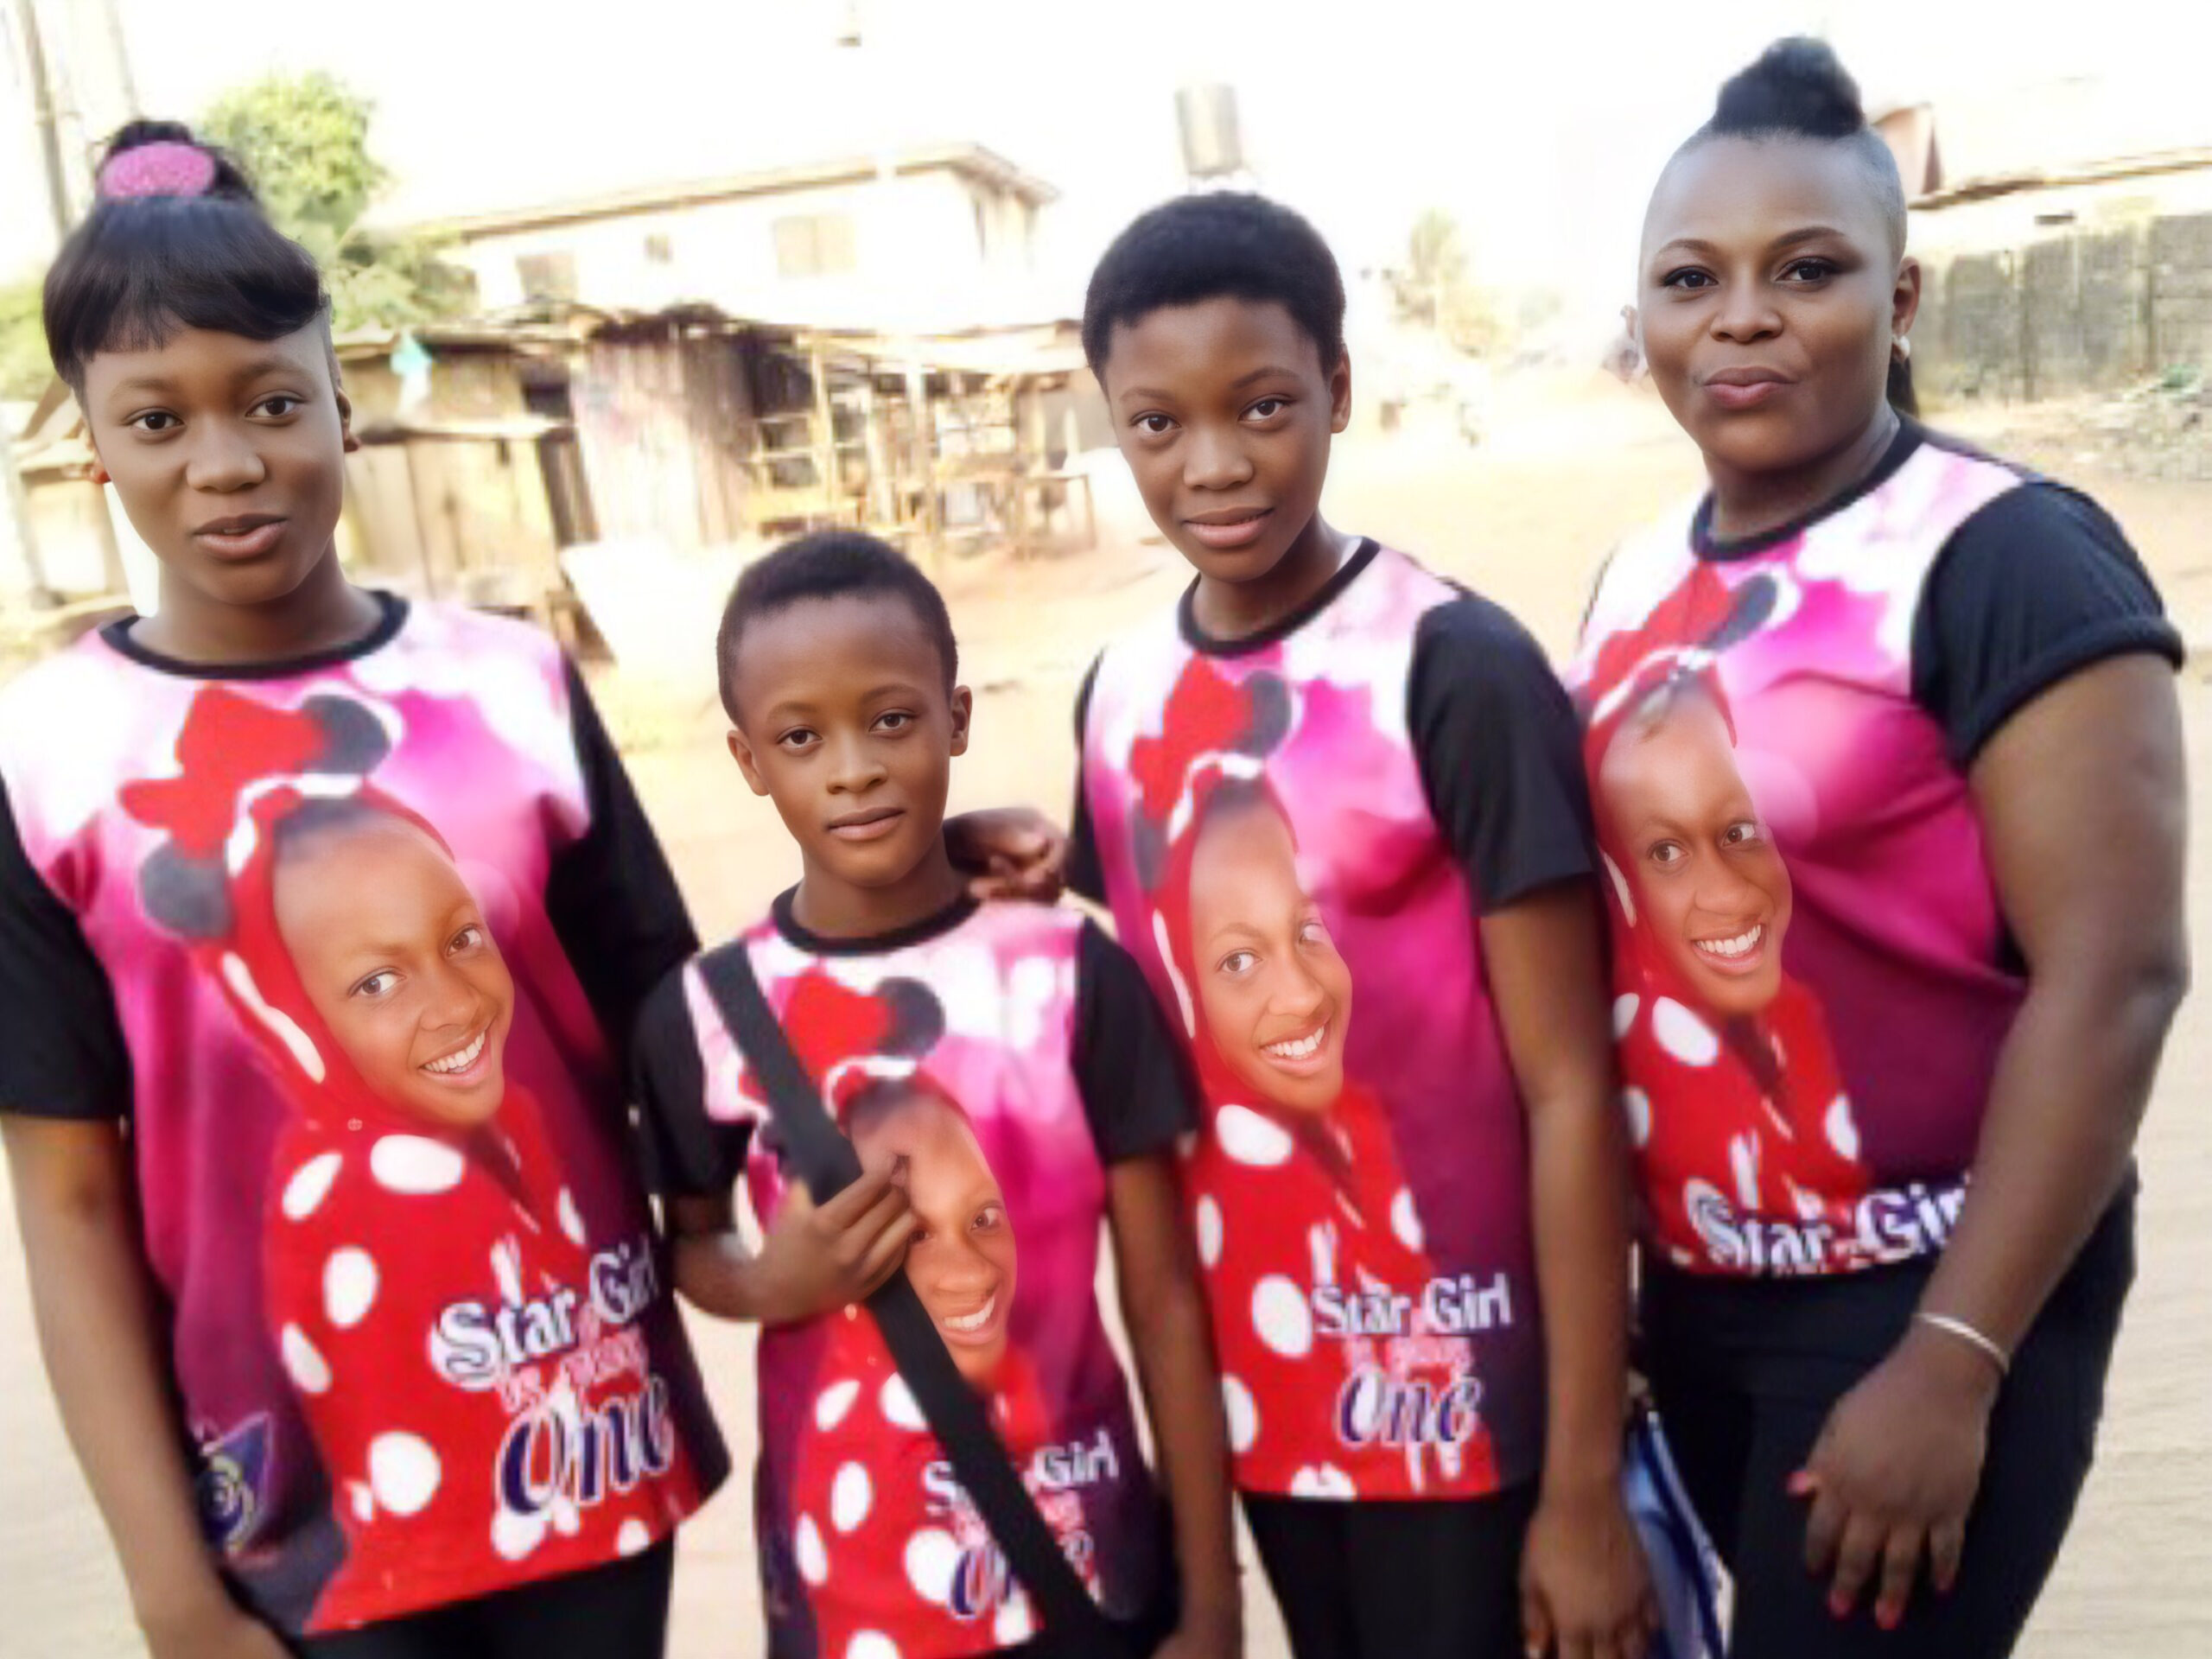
{"type": "Point", "coordinates": [1966, 1333]}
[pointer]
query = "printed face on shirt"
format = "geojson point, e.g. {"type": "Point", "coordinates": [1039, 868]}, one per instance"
{"type": "Point", "coordinates": [1710, 886]}
{"type": "Point", "coordinates": [847, 723]}
{"type": "Point", "coordinates": [1772, 288]}
{"type": "Point", "coordinates": [399, 964]}
{"type": "Point", "coordinates": [1274, 995]}
{"type": "Point", "coordinates": [962, 1259]}
{"type": "Point", "coordinates": [1223, 411]}
{"type": "Point", "coordinates": [228, 454]}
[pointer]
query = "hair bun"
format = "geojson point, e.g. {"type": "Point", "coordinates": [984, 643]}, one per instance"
{"type": "Point", "coordinates": [1797, 86]}
{"type": "Point", "coordinates": [163, 172]}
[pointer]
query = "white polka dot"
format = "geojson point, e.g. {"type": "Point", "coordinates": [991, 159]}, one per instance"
{"type": "Point", "coordinates": [1282, 1317]}
{"type": "Point", "coordinates": [901, 1409]}
{"type": "Point", "coordinates": [403, 1472]}
{"type": "Point", "coordinates": [830, 1408]}
{"type": "Point", "coordinates": [851, 1494]}
{"type": "Point", "coordinates": [572, 1220]}
{"type": "Point", "coordinates": [932, 1558]}
{"type": "Point", "coordinates": [349, 1286]}
{"type": "Point", "coordinates": [806, 1549]}
{"type": "Point", "coordinates": [1325, 1481]}
{"type": "Point", "coordinates": [1635, 1107]}
{"type": "Point", "coordinates": [409, 1163]}
{"type": "Point", "coordinates": [363, 1500]}
{"type": "Point", "coordinates": [1405, 1219]}
{"type": "Point", "coordinates": [1250, 1138]}
{"type": "Point", "coordinates": [309, 1371]}
{"type": "Point", "coordinates": [310, 1185]}
{"type": "Point", "coordinates": [1206, 1224]}
{"type": "Point", "coordinates": [1743, 1163]}
{"type": "Point", "coordinates": [1012, 1625]}
{"type": "Point", "coordinates": [1843, 1133]}
{"type": "Point", "coordinates": [871, 1644]}
{"type": "Point", "coordinates": [1624, 1008]}
{"type": "Point", "coordinates": [507, 1268]}
{"type": "Point", "coordinates": [1244, 1416]}
{"type": "Point", "coordinates": [515, 1535]}
{"type": "Point", "coordinates": [1683, 1035]}
{"type": "Point", "coordinates": [1620, 888]}
{"type": "Point", "coordinates": [635, 1538]}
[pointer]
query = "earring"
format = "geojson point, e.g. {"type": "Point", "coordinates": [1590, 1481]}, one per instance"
{"type": "Point", "coordinates": [1901, 349]}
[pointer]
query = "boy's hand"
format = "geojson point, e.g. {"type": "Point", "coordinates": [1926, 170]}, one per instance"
{"type": "Point", "coordinates": [1009, 852]}
{"type": "Point", "coordinates": [816, 1260]}
{"type": "Point", "coordinates": [220, 1631]}
{"type": "Point", "coordinates": [1203, 1633]}
{"type": "Point", "coordinates": [1586, 1589]}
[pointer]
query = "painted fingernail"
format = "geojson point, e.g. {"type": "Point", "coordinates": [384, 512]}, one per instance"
{"type": "Point", "coordinates": [1839, 1608]}
{"type": "Point", "coordinates": [1888, 1617]}
{"type": "Point", "coordinates": [1800, 1484]}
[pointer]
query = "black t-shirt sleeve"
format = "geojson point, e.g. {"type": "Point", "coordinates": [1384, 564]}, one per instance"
{"type": "Point", "coordinates": [611, 896]}
{"type": "Point", "coordinates": [681, 1151]}
{"type": "Point", "coordinates": [2036, 586]}
{"type": "Point", "coordinates": [1131, 1071]}
{"type": "Point", "coordinates": [1085, 875]}
{"type": "Point", "coordinates": [1500, 753]}
{"type": "Point", "coordinates": [61, 1046]}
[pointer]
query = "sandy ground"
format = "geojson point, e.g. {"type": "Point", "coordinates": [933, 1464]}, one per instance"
{"type": "Point", "coordinates": [1525, 518]}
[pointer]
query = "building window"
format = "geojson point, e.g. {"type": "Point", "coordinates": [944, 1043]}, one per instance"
{"type": "Point", "coordinates": [659, 249]}
{"type": "Point", "coordinates": [815, 245]}
{"type": "Point", "coordinates": [547, 275]}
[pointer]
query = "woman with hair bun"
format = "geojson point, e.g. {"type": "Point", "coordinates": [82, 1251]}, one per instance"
{"type": "Point", "coordinates": [1878, 1326]}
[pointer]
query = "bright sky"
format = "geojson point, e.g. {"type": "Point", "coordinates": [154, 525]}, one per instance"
{"type": "Point", "coordinates": [1540, 126]}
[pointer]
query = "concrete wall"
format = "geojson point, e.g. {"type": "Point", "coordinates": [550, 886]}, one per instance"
{"type": "Point", "coordinates": [935, 232]}
{"type": "Point", "coordinates": [2085, 309]}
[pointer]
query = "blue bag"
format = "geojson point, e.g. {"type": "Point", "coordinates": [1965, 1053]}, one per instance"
{"type": "Point", "coordinates": [1686, 1572]}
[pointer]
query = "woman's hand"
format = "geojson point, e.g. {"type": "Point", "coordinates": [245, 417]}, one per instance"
{"type": "Point", "coordinates": [1895, 1471]}
{"type": "Point", "coordinates": [1009, 852]}
{"type": "Point", "coordinates": [1585, 1589]}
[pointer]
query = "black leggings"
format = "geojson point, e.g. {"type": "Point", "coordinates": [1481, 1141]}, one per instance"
{"type": "Point", "coordinates": [1396, 1580]}
{"type": "Point", "coordinates": [615, 1612]}
{"type": "Point", "coordinates": [1745, 1373]}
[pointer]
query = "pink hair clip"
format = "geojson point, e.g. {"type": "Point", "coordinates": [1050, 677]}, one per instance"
{"type": "Point", "coordinates": [166, 168]}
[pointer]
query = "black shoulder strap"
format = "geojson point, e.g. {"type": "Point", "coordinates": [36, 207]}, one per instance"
{"type": "Point", "coordinates": [826, 1162]}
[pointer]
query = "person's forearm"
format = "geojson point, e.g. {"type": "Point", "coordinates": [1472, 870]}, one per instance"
{"type": "Point", "coordinates": [1174, 1345]}
{"type": "Point", "coordinates": [717, 1274]}
{"type": "Point", "coordinates": [1579, 1197]}
{"type": "Point", "coordinates": [2072, 1082]}
{"type": "Point", "coordinates": [95, 1311]}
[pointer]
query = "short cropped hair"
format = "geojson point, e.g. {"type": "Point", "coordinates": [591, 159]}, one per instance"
{"type": "Point", "coordinates": [1203, 247]}
{"type": "Point", "coordinates": [828, 564]}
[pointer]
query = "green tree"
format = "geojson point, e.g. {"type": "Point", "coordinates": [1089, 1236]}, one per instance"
{"type": "Point", "coordinates": [24, 367]}
{"type": "Point", "coordinates": [1434, 290]}
{"type": "Point", "coordinates": [304, 142]}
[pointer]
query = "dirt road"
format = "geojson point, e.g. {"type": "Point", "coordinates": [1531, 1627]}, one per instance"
{"type": "Point", "coordinates": [1526, 520]}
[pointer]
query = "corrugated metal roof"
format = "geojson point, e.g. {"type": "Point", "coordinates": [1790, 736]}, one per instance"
{"type": "Point", "coordinates": [973, 160]}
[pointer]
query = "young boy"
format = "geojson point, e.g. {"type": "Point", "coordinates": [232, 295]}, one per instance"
{"type": "Point", "coordinates": [1008, 1084]}
{"type": "Point", "coordinates": [1411, 1221]}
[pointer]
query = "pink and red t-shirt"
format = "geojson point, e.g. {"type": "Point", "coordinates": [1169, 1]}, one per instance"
{"type": "Point", "coordinates": [1000, 1059]}
{"type": "Point", "coordinates": [1299, 833]}
{"type": "Point", "coordinates": [1813, 975]}
{"type": "Point", "coordinates": [418, 1319]}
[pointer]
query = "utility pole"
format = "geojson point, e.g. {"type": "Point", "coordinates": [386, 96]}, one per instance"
{"type": "Point", "coordinates": [44, 113]}
{"type": "Point", "coordinates": [32, 567]}
{"type": "Point", "coordinates": [121, 54]}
